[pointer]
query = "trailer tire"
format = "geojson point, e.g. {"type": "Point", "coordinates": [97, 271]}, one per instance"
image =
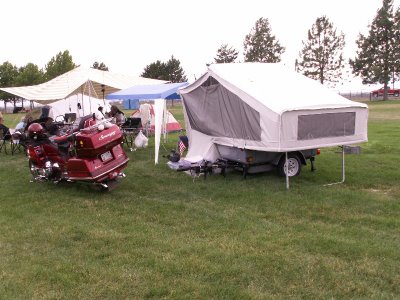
{"type": "Point", "coordinates": [294, 165]}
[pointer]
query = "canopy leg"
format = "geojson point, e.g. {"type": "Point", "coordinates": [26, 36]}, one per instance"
{"type": "Point", "coordinates": [287, 171]}
{"type": "Point", "coordinates": [343, 166]}
{"type": "Point", "coordinates": [343, 170]}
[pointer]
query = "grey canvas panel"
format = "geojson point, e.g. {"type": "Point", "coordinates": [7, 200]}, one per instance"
{"type": "Point", "coordinates": [215, 111]}
{"type": "Point", "coordinates": [326, 125]}
{"type": "Point", "coordinates": [210, 81]}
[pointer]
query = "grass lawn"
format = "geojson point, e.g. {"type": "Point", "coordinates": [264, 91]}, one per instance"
{"type": "Point", "coordinates": [163, 234]}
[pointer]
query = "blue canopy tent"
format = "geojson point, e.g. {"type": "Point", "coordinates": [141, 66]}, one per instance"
{"type": "Point", "coordinates": [158, 92]}
{"type": "Point", "coordinates": [132, 95]}
{"type": "Point", "coordinates": [146, 92]}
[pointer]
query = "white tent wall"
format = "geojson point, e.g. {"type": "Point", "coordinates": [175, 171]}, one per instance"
{"type": "Point", "coordinates": [88, 105]}
{"type": "Point", "coordinates": [202, 146]}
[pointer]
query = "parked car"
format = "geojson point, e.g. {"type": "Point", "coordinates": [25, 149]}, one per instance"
{"type": "Point", "coordinates": [390, 92]}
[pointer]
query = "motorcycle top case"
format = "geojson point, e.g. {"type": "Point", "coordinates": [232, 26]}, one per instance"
{"type": "Point", "coordinates": [91, 143]}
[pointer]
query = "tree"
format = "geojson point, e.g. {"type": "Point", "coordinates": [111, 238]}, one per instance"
{"type": "Point", "coordinates": [322, 55]}
{"type": "Point", "coordinates": [59, 64]}
{"type": "Point", "coordinates": [169, 71]}
{"type": "Point", "coordinates": [29, 75]}
{"type": "Point", "coordinates": [377, 57]}
{"type": "Point", "coordinates": [260, 45]}
{"type": "Point", "coordinates": [226, 55]}
{"type": "Point", "coordinates": [175, 71]}
{"type": "Point", "coordinates": [99, 66]}
{"type": "Point", "coordinates": [396, 55]}
{"type": "Point", "coordinates": [154, 70]}
{"type": "Point", "coordinates": [8, 74]}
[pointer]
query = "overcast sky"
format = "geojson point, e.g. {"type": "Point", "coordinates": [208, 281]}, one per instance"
{"type": "Point", "coordinates": [128, 35]}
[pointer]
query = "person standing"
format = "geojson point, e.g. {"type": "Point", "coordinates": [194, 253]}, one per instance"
{"type": "Point", "coordinates": [145, 115]}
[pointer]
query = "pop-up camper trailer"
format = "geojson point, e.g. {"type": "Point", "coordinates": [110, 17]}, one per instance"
{"type": "Point", "coordinates": [266, 107]}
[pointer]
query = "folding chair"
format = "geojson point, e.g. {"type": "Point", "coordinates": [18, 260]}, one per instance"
{"type": "Point", "coordinates": [3, 141]}
{"type": "Point", "coordinates": [130, 129]}
{"type": "Point", "coordinates": [16, 144]}
{"type": "Point", "coordinates": [69, 117]}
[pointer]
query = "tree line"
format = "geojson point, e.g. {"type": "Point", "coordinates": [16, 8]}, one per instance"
{"type": "Point", "coordinates": [377, 59]}
{"type": "Point", "coordinates": [31, 74]}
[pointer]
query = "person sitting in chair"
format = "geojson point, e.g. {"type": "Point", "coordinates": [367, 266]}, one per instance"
{"type": "Point", "coordinates": [21, 125]}
{"type": "Point", "coordinates": [117, 115]}
{"type": "Point", "coordinates": [50, 127]}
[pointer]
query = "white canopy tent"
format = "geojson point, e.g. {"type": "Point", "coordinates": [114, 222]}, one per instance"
{"type": "Point", "coordinates": [92, 82]}
{"type": "Point", "coordinates": [267, 107]}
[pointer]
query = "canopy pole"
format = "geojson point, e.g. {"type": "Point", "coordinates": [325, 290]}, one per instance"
{"type": "Point", "coordinates": [343, 166]}
{"type": "Point", "coordinates": [343, 170]}
{"type": "Point", "coordinates": [83, 106]}
{"type": "Point", "coordinates": [103, 90]}
{"type": "Point", "coordinates": [90, 99]}
{"type": "Point", "coordinates": [165, 121]}
{"type": "Point", "coordinates": [287, 171]}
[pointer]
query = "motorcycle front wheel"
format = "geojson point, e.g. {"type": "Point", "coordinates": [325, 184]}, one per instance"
{"type": "Point", "coordinates": [34, 170]}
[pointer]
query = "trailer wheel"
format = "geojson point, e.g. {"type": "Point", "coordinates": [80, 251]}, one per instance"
{"type": "Point", "coordinates": [396, 94]}
{"type": "Point", "coordinates": [294, 168]}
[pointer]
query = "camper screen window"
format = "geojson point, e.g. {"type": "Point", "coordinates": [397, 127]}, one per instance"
{"type": "Point", "coordinates": [325, 125]}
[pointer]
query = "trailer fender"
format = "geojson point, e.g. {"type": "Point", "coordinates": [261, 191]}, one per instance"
{"type": "Point", "coordinates": [298, 153]}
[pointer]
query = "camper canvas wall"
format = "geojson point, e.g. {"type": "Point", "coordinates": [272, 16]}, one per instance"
{"type": "Point", "coordinates": [232, 105]}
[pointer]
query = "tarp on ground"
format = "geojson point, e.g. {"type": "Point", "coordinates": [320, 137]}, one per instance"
{"type": "Point", "coordinates": [267, 107]}
{"type": "Point", "coordinates": [89, 81]}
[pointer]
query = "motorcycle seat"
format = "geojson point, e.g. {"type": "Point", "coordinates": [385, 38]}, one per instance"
{"type": "Point", "coordinates": [62, 139]}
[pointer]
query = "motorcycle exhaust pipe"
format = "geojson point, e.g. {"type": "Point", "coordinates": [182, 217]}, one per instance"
{"type": "Point", "coordinates": [104, 186]}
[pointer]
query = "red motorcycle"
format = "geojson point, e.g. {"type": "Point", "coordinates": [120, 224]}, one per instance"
{"type": "Point", "coordinates": [91, 154]}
